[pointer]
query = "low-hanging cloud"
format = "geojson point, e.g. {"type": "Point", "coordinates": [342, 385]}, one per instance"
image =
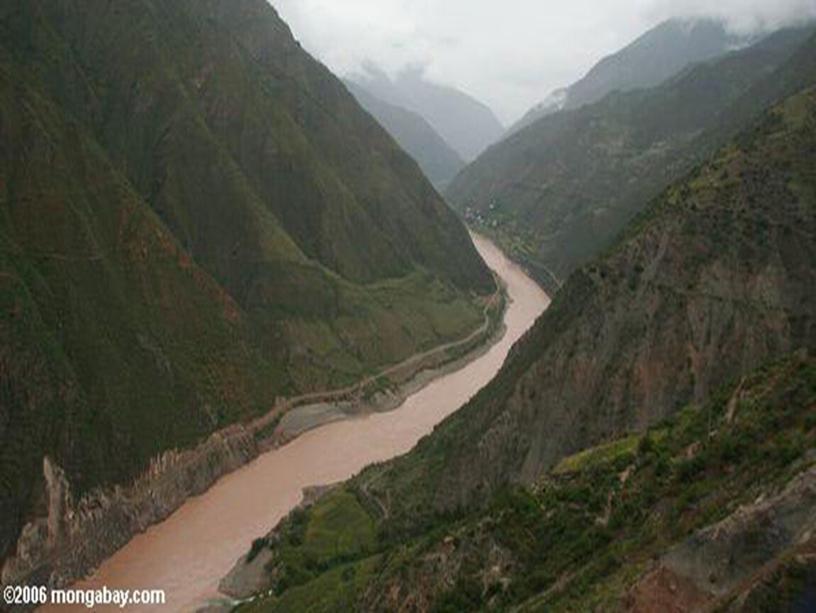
{"type": "Point", "coordinates": [510, 54]}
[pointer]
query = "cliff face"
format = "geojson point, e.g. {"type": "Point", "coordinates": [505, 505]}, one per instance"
{"type": "Point", "coordinates": [196, 218]}
{"type": "Point", "coordinates": [558, 193]}
{"type": "Point", "coordinates": [79, 532]}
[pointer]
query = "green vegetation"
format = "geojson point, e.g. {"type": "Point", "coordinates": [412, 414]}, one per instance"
{"type": "Point", "coordinates": [643, 330]}
{"type": "Point", "coordinates": [612, 453]}
{"type": "Point", "coordinates": [338, 528]}
{"type": "Point", "coordinates": [333, 591]}
{"type": "Point", "coordinates": [321, 555]}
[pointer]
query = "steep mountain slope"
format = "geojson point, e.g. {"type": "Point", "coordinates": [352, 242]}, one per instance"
{"type": "Point", "coordinates": [559, 191]}
{"type": "Point", "coordinates": [655, 56]}
{"type": "Point", "coordinates": [196, 219]}
{"type": "Point", "coordinates": [435, 157]}
{"type": "Point", "coordinates": [717, 279]}
{"type": "Point", "coordinates": [466, 124]}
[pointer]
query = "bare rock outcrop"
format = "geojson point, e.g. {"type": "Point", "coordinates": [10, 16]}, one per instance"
{"type": "Point", "coordinates": [722, 560]}
{"type": "Point", "coordinates": [77, 534]}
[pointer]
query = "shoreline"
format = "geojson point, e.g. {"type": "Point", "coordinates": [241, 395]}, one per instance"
{"type": "Point", "coordinates": [371, 395]}
{"type": "Point", "coordinates": [302, 418]}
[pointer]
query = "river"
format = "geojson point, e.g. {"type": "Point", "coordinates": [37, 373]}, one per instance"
{"type": "Point", "coordinates": [188, 554]}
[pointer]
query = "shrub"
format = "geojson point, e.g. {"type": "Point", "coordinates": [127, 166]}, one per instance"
{"type": "Point", "coordinates": [257, 546]}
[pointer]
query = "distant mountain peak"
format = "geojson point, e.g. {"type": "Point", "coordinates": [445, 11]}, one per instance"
{"type": "Point", "coordinates": [414, 134]}
{"type": "Point", "coordinates": [650, 59]}
{"type": "Point", "coordinates": [464, 122]}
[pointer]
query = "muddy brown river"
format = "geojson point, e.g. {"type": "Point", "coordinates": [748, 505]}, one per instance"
{"type": "Point", "coordinates": [188, 554]}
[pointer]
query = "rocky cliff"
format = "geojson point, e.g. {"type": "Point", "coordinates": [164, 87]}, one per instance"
{"type": "Point", "coordinates": [713, 280]}
{"type": "Point", "coordinates": [713, 509]}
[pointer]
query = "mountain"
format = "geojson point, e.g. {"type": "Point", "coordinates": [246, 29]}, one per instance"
{"type": "Point", "coordinates": [196, 220]}
{"type": "Point", "coordinates": [464, 123]}
{"type": "Point", "coordinates": [435, 157]}
{"type": "Point", "coordinates": [553, 103]}
{"type": "Point", "coordinates": [655, 56]}
{"type": "Point", "coordinates": [647, 446]}
{"type": "Point", "coordinates": [559, 191]}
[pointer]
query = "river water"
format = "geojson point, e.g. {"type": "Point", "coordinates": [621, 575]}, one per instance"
{"type": "Point", "coordinates": [188, 554]}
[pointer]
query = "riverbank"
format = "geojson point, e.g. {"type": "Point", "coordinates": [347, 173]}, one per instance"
{"type": "Point", "coordinates": [77, 536]}
{"type": "Point", "coordinates": [385, 395]}
{"type": "Point", "coordinates": [386, 390]}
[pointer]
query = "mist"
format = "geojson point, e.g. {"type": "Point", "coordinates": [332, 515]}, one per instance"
{"type": "Point", "coordinates": [508, 54]}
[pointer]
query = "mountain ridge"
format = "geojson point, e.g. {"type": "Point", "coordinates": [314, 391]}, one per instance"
{"type": "Point", "coordinates": [465, 123]}
{"type": "Point", "coordinates": [653, 57]}
{"type": "Point", "coordinates": [438, 160]}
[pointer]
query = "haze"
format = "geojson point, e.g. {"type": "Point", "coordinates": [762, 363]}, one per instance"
{"type": "Point", "coordinates": [509, 54]}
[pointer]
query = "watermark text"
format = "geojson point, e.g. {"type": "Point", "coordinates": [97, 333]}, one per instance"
{"type": "Point", "coordinates": [27, 595]}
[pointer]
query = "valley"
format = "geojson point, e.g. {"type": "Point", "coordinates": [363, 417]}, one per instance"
{"type": "Point", "coordinates": [657, 420]}
{"type": "Point", "coordinates": [194, 548]}
{"type": "Point", "coordinates": [290, 322]}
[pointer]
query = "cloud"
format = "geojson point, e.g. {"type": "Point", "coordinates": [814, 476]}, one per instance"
{"type": "Point", "coordinates": [743, 16]}
{"type": "Point", "coordinates": [510, 54]}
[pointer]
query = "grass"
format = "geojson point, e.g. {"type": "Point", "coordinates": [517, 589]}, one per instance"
{"type": "Point", "coordinates": [338, 527]}
{"type": "Point", "coordinates": [333, 591]}
{"type": "Point", "coordinates": [613, 452]}
{"type": "Point", "coordinates": [326, 545]}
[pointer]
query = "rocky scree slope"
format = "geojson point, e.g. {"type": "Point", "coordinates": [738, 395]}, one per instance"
{"type": "Point", "coordinates": [196, 218]}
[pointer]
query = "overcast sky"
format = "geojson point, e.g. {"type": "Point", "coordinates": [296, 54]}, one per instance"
{"type": "Point", "coordinates": [508, 53]}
